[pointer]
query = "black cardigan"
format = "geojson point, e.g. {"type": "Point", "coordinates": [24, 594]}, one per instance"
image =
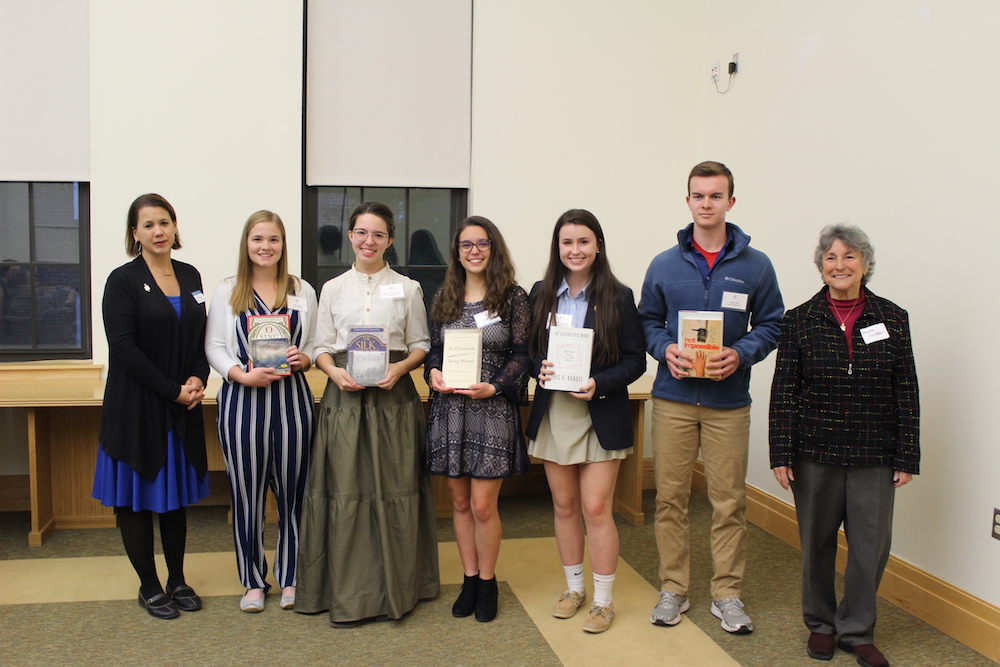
{"type": "Point", "coordinates": [151, 355]}
{"type": "Point", "coordinates": [609, 409]}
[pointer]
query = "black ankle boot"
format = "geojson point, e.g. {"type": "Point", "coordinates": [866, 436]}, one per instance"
{"type": "Point", "coordinates": [466, 602]}
{"type": "Point", "coordinates": [486, 600]}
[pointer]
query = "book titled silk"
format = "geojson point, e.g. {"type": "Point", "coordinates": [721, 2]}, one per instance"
{"type": "Point", "coordinates": [462, 363]}
{"type": "Point", "coordinates": [569, 351]}
{"type": "Point", "coordinates": [700, 335]}
{"type": "Point", "coordinates": [367, 354]}
{"type": "Point", "coordinates": [269, 337]}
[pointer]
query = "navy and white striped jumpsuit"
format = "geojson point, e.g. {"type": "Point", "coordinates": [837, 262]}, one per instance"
{"type": "Point", "coordinates": [266, 436]}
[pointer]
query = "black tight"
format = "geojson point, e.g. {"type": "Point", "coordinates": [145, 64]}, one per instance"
{"type": "Point", "coordinates": [137, 536]}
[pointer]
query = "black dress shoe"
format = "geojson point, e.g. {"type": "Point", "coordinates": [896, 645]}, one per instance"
{"type": "Point", "coordinates": [159, 606]}
{"type": "Point", "coordinates": [185, 598]}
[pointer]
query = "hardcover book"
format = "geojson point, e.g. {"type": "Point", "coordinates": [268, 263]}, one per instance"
{"type": "Point", "coordinates": [269, 337]}
{"type": "Point", "coordinates": [569, 351]}
{"type": "Point", "coordinates": [699, 333]}
{"type": "Point", "coordinates": [462, 364]}
{"type": "Point", "coordinates": [367, 354]}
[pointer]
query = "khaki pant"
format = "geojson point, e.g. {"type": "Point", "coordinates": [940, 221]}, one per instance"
{"type": "Point", "coordinates": [723, 436]}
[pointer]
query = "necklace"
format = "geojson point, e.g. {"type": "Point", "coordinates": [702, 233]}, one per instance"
{"type": "Point", "coordinates": [163, 273]}
{"type": "Point", "coordinates": [843, 322]}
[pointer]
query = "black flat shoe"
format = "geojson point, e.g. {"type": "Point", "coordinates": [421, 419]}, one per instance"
{"type": "Point", "coordinates": [185, 598]}
{"type": "Point", "coordinates": [159, 606]}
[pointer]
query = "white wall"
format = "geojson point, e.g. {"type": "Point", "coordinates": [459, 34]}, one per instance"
{"type": "Point", "coordinates": [200, 102]}
{"type": "Point", "coordinates": [583, 105]}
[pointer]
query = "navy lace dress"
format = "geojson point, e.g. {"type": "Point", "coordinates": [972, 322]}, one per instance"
{"type": "Point", "coordinates": [482, 438]}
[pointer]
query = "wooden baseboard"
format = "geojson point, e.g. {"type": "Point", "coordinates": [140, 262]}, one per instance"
{"type": "Point", "coordinates": [956, 613]}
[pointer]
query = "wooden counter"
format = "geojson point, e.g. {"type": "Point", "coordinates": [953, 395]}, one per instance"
{"type": "Point", "coordinates": [63, 405]}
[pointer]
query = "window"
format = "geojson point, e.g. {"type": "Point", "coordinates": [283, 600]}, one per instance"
{"type": "Point", "coordinates": [425, 221]}
{"type": "Point", "coordinates": [44, 271]}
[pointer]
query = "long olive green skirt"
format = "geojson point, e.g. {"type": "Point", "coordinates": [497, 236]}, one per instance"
{"type": "Point", "coordinates": [368, 542]}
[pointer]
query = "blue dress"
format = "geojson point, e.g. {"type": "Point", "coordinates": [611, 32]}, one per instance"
{"type": "Point", "coordinates": [177, 484]}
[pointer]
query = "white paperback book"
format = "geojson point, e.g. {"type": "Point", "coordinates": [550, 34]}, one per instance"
{"type": "Point", "coordinates": [462, 363]}
{"type": "Point", "coordinates": [569, 351]}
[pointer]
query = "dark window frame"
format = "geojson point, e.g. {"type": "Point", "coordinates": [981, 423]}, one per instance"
{"type": "Point", "coordinates": [82, 265]}
{"type": "Point", "coordinates": [459, 206]}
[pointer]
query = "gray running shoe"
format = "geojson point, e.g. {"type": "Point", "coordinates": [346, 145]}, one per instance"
{"type": "Point", "coordinates": [669, 609]}
{"type": "Point", "coordinates": [734, 618]}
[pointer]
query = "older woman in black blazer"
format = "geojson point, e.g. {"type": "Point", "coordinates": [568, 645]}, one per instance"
{"type": "Point", "coordinates": [582, 436]}
{"type": "Point", "coordinates": [844, 435]}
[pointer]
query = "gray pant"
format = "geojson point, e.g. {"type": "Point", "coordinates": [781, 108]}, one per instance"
{"type": "Point", "coordinates": [860, 497]}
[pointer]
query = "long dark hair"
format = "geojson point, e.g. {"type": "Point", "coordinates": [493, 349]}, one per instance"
{"type": "Point", "coordinates": [499, 276]}
{"type": "Point", "coordinates": [602, 294]}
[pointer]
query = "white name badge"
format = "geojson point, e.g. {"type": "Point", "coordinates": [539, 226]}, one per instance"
{"type": "Point", "coordinates": [735, 301]}
{"type": "Point", "coordinates": [484, 319]}
{"type": "Point", "coordinates": [564, 320]}
{"type": "Point", "coordinates": [874, 333]}
{"type": "Point", "coordinates": [297, 302]}
{"type": "Point", "coordinates": [393, 291]}
{"type": "Point", "coordinates": [198, 296]}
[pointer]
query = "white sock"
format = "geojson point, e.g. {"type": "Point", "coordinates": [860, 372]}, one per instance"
{"type": "Point", "coordinates": [574, 577]}
{"type": "Point", "coordinates": [602, 588]}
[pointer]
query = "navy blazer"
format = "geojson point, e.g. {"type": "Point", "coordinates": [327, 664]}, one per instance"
{"type": "Point", "coordinates": [609, 409]}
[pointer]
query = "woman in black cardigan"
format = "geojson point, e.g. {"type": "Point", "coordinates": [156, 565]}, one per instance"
{"type": "Point", "coordinates": [152, 440]}
{"type": "Point", "coordinates": [582, 436]}
{"type": "Point", "coordinates": [844, 435]}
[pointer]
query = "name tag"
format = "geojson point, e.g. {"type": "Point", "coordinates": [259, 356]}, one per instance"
{"type": "Point", "coordinates": [564, 320]}
{"type": "Point", "coordinates": [393, 291]}
{"type": "Point", "coordinates": [485, 318]}
{"type": "Point", "coordinates": [874, 333]}
{"type": "Point", "coordinates": [735, 300]}
{"type": "Point", "coordinates": [198, 296]}
{"type": "Point", "coordinates": [297, 302]}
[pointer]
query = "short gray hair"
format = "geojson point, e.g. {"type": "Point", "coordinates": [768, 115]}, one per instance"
{"type": "Point", "coordinates": [854, 238]}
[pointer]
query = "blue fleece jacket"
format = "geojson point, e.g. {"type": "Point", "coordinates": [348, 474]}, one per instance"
{"type": "Point", "coordinates": [674, 282]}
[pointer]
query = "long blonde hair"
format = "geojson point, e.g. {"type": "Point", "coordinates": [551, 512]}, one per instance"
{"type": "Point", "coordinates": [242, 297]}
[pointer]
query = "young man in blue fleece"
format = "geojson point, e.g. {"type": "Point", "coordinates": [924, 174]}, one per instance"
{"type": "Point", "coordinates": [712, 267]}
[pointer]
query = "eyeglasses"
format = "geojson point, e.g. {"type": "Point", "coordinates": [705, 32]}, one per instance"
{"type": "Point", "coordinates": [482, 244]}
{"type": "Point", "coordinates": [377, 237]}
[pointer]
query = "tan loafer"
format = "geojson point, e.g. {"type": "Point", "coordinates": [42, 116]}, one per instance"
{"type": "Point", "coordinates": [599, 618]}
{"type": "Point", "coordinates": [567, 604]}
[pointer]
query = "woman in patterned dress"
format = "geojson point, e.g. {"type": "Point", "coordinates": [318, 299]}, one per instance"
{"type": "Point", "coordinates": [474, 434]}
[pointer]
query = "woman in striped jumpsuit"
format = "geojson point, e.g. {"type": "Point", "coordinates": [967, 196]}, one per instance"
{"type": "Point", "coordinates": [265, 419]}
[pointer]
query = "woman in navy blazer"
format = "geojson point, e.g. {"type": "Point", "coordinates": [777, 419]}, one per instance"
{"type": "Point", "coordinates": [582, 436]}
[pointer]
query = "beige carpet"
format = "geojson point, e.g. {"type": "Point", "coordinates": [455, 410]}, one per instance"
{"type": "Point", "coordinates": [529, 566]}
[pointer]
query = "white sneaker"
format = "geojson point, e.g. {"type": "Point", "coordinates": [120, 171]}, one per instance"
{"type": "Point", "coordinates": [734, 618]}
{"type": "Point", "coordinates": [669, 609]}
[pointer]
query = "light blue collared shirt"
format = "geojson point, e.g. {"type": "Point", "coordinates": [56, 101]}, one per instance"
{"type": "Point", "coordinates": [576, 306]}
